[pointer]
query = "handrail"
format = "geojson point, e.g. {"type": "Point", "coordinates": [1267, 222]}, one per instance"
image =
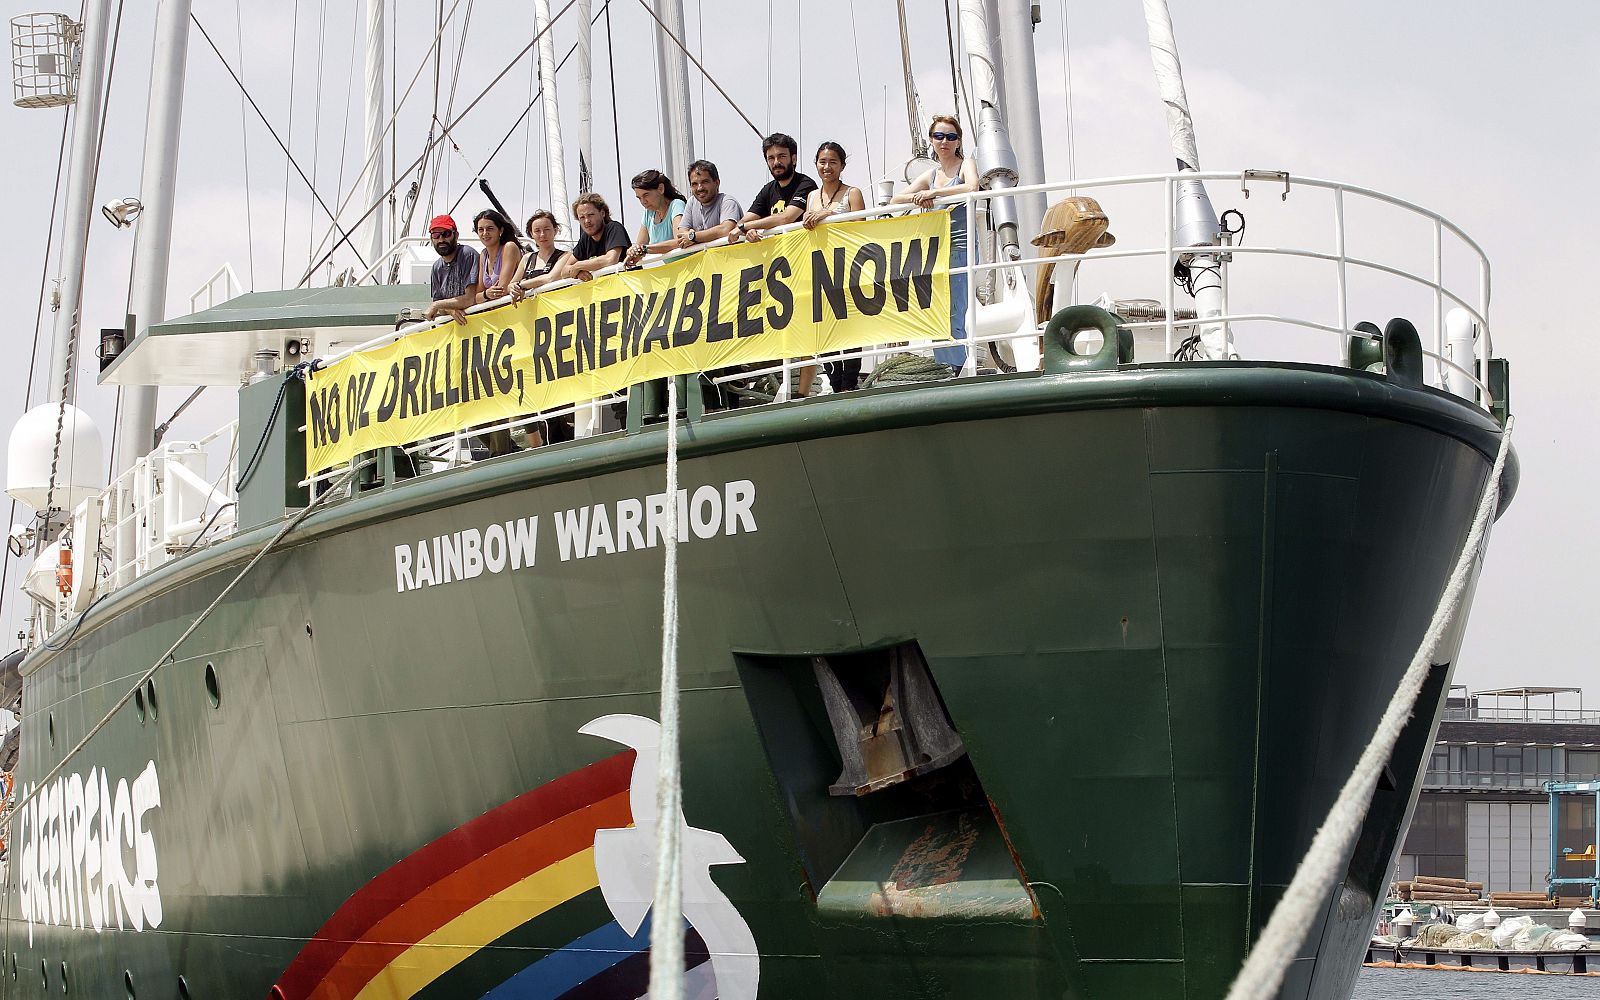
{"type": "Point", "coordinates": [1478, 311]}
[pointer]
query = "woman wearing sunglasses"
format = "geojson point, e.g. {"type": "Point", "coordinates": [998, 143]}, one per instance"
{"type": "Point", "coordinates": [955, 174]}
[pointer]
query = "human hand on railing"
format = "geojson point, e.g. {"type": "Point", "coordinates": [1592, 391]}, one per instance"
{"type": "Point", "coordinates": [686, 238]}
{"type": "Point", "coordinates": [495, 291]}
{"type": "Point", "coordinates": [814, 217]}
{"type": "Point", "coordinates": [923, 199]}
{"type": "Point", "coordinates": [752, 235]}
{"type": "Point", "coordinates": [518, 293]}
{"type": "Point", "coordinates": [634, 255]}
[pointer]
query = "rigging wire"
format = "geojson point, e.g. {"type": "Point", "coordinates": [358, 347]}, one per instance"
{"type": "Point", "coordinates": [456, 121]}
{"type": "Point", "coordinates": [1066, 84]}
{"type": "Point", "coordinates": [699, 66]}
{"type": "Point", "coordinates": [283, 225]}
{"type": "Point", "coordinates": [439, 160]}
{"type": "Point", "coordinates": [316, 124]}
{"type": "Point", "coordinates": [768, 120]}
{"type": "Point", "coordinates": [38, 324]}
{"type": "Point", "coordinates": [800, 91]}
{"type": "Point", "coordinates": [244, 134]}
{"type": "Point", "coordinates": [964, 98]}
{"type": "Point", "coordinates": [394, 92]}
{"type": "Point", "coordinates": [537, 96]}
{"type": "Point", "coordinates": [527, 132]}
{"type": "Point", "coordinates": [167, 657]}
{"type": "Point", "coordinates": [616, 131]}
{"type": "Point", "coordinates": [344, 235]}
{"type": "Point", "coordinates": [955, 79]}
{"type": "Point", "coordinates": [700, 34]}
{"type": "Point", "coordinates": [344, 125]}
{"type": "Point", "coordinates": [388, 126]}
{"type": "Point", "coordinates": [861, 94]}
{"type": "Point", "coordinates": [658, 55]}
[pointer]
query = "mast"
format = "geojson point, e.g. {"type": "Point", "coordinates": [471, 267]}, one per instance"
{"type": "Point", "coordinates": [152, 242]}
{"type": "Point", "coordinates": [1194, 220]}
{"type": "Point", "coordinates": [561, 204]}
{"type": "Point", "coordinates": [980, 43]}
{"type": "Point", "coordinates": [1021, 88]}
{"type": "Point", "coordinates": [677, 125]}
{"type": "Point", "coordinates": [63, 382]}
{"type": "Point", "coordinates": [585, 100]}
{"type": "Point", "coordinates": [374, 159]}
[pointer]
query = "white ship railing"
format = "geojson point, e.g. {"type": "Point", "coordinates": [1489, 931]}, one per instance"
{"type": "Point", "coordinates": [1156, 255]}
{"type": "Point", "coordinates": [181, 496]}
{"type": "Point", "coordinates": [169, 502]}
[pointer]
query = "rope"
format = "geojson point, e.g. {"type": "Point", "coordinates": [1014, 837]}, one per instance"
{"type": "Point", "coordinates": [666, 931]}
{"type": "Point", "coordinates": [861, 91]}
{"type": "Point", "coordinates": [1280, 940]}
{"type": "Point", "coordinates": [165, 657]}
{"type": "Point", "coordinates": [898, 369]}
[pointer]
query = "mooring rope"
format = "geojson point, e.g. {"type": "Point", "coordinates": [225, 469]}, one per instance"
{"type": "Point", "coordinates": [128, 696]}
{"type": "Point", "coordinates": [666, 930]}
{"type": "Point", "coordinates": [1280, 940]}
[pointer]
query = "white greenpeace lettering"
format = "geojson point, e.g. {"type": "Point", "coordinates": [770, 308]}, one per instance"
{"type": "Point", "coordinates": [76, 840]}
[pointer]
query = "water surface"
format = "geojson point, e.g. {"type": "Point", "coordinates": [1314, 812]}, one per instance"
{"type": "Point", "coordinates": [1424, 984]}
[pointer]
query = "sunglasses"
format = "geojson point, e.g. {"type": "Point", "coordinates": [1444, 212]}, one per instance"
{"type": "Point", "coordinates": [439, 233]}
{"type": "Point", "coordinates": [944, 136]}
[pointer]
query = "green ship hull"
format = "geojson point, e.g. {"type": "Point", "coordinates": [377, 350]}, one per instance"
{"type": "Point", "coordinates": [1161, 610]}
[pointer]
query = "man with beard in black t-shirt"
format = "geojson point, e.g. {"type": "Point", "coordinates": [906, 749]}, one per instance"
{"type": "Point", "coordinates": [783, 199]}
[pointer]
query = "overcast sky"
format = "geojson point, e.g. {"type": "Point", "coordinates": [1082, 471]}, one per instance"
{"type": "Point", "coordinates": [1462, 107]}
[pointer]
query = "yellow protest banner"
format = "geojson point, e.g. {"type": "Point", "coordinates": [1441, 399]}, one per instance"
{"type": "Point", "coordinates": [840, 286]}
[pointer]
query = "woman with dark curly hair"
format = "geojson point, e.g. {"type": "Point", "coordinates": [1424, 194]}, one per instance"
{"type": "Point", "coordinates": [501, 258]}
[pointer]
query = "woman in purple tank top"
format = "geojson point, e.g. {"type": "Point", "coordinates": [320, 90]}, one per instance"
{"type": "Point", "coordinates": [501, 259]}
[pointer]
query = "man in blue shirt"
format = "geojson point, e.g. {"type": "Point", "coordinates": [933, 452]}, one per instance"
{"type": "Point", "coordinates": [453, 282]}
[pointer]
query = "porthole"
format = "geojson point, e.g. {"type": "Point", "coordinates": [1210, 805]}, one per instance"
{"type": "Point", "coordinates": [65, 984]}
{"type": "Point", "coordinates": [276, 993]}
{"type": "Point", "coordinates": [13, 966]}
{"type": "Point", "coordinates": [150, 698]}
{"type": "Point", "coordinates": [213, 686]}
{"type": "Point", "coordinates": [127, 982]}
{"type": "Point", "coordinates": [44, 974]}
{"type": "Point", "coordinates": [308, 630]}
{"type": "Point", "coordinates": [52, 727]}
{"type": "Point", "coordinates": [138, 704]}
{"type": "Point", "coordinates": [183, 988]}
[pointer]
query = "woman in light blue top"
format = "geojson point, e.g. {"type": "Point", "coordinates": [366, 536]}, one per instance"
{"type": "Point", "coordinates": [663, 211]}
{"type": "Point", "coordinates": [955, 174]}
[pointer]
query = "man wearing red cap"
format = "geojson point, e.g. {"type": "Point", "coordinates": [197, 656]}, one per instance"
{"type": "Point", "coordinates": [453, 282]}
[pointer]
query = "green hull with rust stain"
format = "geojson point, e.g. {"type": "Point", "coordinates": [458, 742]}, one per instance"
{"type": "Point", "coordinates": [1163, 606]}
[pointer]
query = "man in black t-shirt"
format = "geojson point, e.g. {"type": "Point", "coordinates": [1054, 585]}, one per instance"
{"type": "Point", "coordinates": [601, 241]}
{"type": "Point", "coordinates": [783, 199]}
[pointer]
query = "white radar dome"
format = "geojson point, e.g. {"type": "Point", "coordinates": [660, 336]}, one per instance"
{"type": "Point", "coordinates": [80, 471]}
